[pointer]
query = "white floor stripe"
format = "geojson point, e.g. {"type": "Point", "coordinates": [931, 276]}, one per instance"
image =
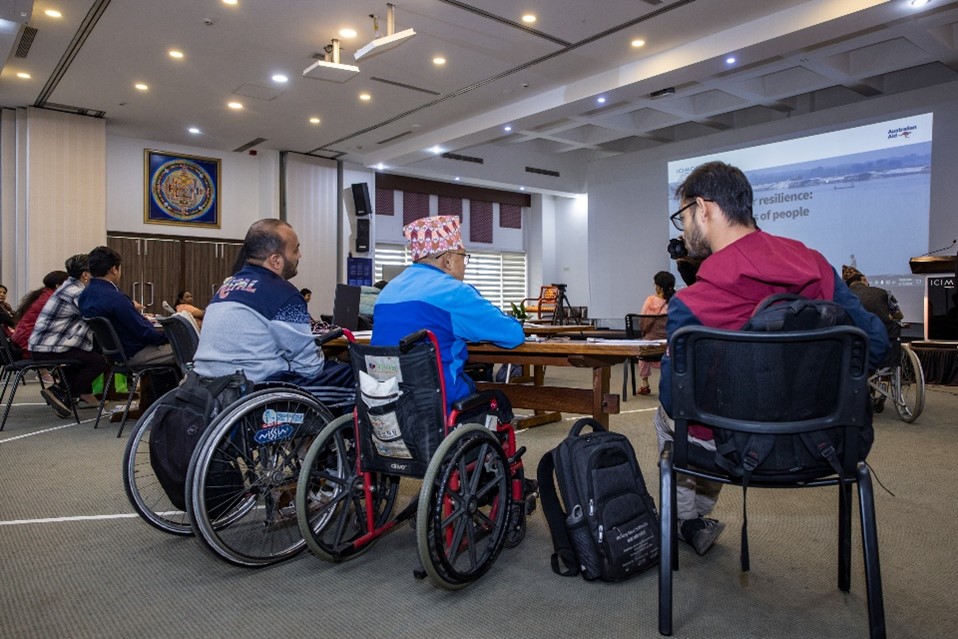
{"type": "Point", "coordinates": [57, 520]}
{"type": "Point", "coordinates": [45, 430]}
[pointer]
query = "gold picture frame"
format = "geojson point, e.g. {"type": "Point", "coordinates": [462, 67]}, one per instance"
{"type": "Point", "coordinates": [181, 190]}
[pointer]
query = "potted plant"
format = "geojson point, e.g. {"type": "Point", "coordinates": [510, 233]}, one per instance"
{"type": "Point", "coordinates": [519, 311]}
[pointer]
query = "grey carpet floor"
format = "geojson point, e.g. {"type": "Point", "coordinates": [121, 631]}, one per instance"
{"type": "Point", "coordinates": [76, 562]}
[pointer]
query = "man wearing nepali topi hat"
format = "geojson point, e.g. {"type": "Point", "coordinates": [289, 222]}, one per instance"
{"type": "Point", "coordinates": [431, 294]}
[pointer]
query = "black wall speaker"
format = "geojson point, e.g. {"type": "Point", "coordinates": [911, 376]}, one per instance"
{"type": "Point", "coordinates": [361, 199]}
{"type": "Point", "coordinates": [362, 236]}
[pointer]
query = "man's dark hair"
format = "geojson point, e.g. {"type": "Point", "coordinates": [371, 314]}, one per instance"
{"type": "Point", "coordinates": [305, 291]}
{"type": "Point", "coordinates": [263, 239]}
{"type": "Point", "coordinates": [725, 185]}
{"type": "Point", "coordinates": [102, 259]}
{"type": "Point", "coordinates": [77, 265]}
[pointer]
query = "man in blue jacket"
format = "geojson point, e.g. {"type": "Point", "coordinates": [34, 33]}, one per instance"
{"type": "Point", "coordinates": [431, 294]}
{"type": "Point", "coordinates": [143, 344]}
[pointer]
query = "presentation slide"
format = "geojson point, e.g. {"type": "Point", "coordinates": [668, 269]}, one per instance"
{"type": "Point", "coordinates": [859, 196]}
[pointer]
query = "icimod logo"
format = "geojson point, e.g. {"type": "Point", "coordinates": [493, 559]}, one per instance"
{"type": "Point", "coordinates": [272, 418]}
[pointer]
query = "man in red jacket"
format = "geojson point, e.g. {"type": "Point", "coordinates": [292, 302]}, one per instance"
{"type": "Point", "coordinates": [742, 266]}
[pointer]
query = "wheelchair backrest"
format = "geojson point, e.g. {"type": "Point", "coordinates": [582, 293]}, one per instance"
{"type": "Point", "coordinates": [400, 405]}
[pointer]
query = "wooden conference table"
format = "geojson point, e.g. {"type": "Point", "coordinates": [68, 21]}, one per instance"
{"type": "Point", "coordinates": [550, 401]}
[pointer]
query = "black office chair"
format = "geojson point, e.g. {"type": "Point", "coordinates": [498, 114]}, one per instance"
{"type": "Point", "coordinates": [634, 323]}
{"type": "Point", "coordinates": [108, 343]}
{"type": "Point", "coordinates": [18, 368]}
{"type": "Point", "coordinates": [780, 384]}
{"type": "Point", "coordinates": [183, 338]}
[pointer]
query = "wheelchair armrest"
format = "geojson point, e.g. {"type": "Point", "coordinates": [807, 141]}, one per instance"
{"type": "Point", "coordinates": [328, 336]}
{"type": "Point", "coordinates": [484, 399]}
{"type": "Point", "coordinates": [406, 343]}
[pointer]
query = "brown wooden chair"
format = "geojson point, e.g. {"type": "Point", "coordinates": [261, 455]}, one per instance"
{"type": "Point", "coordinates": [544, 306]}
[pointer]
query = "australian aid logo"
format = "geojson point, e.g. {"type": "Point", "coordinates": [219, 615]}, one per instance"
{"type": "Point", "coordinates": [902, 132]}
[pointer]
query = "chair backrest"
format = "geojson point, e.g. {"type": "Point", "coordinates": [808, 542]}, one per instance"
{"type": "Point", "coordinates": [777, 383]}
{"type": "Point", "coordinates": [6, 352]}
{"type": "Point", "coordinates": [107, 340]}
{"type": "Point", "coordinates": [649, 326]}
{"type": "Point", "coordinates": [183, 338]}
{"type": "Point", "coordinates": [400, 428]}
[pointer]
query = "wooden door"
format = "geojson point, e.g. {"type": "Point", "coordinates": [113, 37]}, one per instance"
{"type": "Point", "coordinates": [206, 265]}
{"type": "Point", "coordinates": [162, 273]}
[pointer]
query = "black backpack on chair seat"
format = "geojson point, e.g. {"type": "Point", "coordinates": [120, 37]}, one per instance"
{"type": "Point", "coordinates": [808, 455]}
{"type": "Point", "coordinates": [609, 529]}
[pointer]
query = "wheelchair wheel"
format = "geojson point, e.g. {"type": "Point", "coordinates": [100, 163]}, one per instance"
{"type": "Point", "coordinates": [464, 507]}
{"type": "Point", "coordinates": [910, 386]}
{"type": "Point", "coordinates": [242, 482]}
{"type": "Point", "coordinates": [331, 500]}
{"type": "Point", "coordinates": [142, 487]}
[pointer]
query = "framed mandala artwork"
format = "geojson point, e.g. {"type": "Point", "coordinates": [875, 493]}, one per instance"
{"type": "Point", "coordinates": [181, 189]}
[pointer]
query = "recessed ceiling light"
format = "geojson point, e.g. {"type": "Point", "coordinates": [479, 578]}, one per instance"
{"type": "Point", "coordinates": [365, 97]}
{"type": "Point", "coordinates": [279, 77]}
{"type": "Point", "coordinates": [230, 1]}
{"type": "Point", "coordinates": [522, 188]}
{"type": "Point", "coordinates": [600, 100]}
{"type": "Point", "coordinates": [507, 128]}
{"type": "Point", "coordinates": [25, 76]}
{"type": "Point", "coordinates": [730, 60]}
{"type": "Point", "coordinates": [380, 166]}
{"type": "Point", "coordinates": [638, 43]}
{"type": "Point", "coordinates": [314, 120]}
{"type": "Point", "coordinates": [176, 54]}
{"type": "Point", "coordinates": [439, 60]}
{"type": "Point", "coordinates": [347, 33]}
{"type": "Point", "coordinates": [141, 86]}
{"type": "Point", "coordinates": [53, 13]}
{"type": "Point", "coordinates": [193, 130]}
{"type": "Point", "coordinates": [436, 149]}
{"type": "Point", "coordinates": [919, 3]}
{"type": "Point", "coordinates": [235, 105]}
{"type": "Point", "coordinates": [528, 18]}
{"type": "Point", "coordinates": [456, 178]}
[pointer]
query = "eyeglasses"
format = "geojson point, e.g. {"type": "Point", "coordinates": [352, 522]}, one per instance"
{"type": "Point", "coordinates": [465, 256]}
{"type": "Point", "coordinates": [677, 216]}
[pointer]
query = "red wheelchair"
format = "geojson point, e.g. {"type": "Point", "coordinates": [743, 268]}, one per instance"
{"type": "Point", "coordinates": [473, 499]}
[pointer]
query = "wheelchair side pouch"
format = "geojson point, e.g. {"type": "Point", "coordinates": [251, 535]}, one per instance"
{"type": "Point", "coordinates": [383, 402]}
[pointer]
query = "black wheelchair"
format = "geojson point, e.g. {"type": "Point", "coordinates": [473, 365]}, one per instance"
{"type": "Point", "coordinates": [242, 477]}
{"type": "Point", "coordinates": [473, 499]}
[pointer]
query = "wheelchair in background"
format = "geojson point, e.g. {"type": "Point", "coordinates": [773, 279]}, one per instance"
{"type": "Point", "coordinates": [473, 499]}
{"type": "Point", "coordinates": [899, 379]}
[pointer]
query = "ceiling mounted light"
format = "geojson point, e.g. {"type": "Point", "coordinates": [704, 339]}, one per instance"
{"type": "Point", "coordinates": [332, 71]}
{"type": "Point", "coordinates": [638, 43]}
{"type": "Point", "coordinates": [235, 105]}
{"type": "Point", "coordinates": [176, 54]}
{"type": "Point", "coordinates": [730, 60]}
{"type": "Point", "coordinates": [919, 3]}
{"type": "Point", "coordinates": [386, 42]}
{"type": "Point", "coordinates": [365, 97]}
{"type": "Point", "coordinates": [528, 18]}
{"type": "Point", "coordinates": [314, 120]}
{"type": "Point", "coordinates": [279, 77]}
{"type": "Point", "coordinates": [193, 130]}
{"type": "Point", "coordinates": [347, 33]}
{"type": "Point", "coordinates": [439, 60]}
{"type": "Point", "coordinates": [53, 13]}
{"type": "Point", "coordinates": [600, 100]}
{"type": "Point", "coordinates": [507, 128]}
{"type": "Point", "coordinates": [140, 86]}
{"type": "Point", "coordinates": [23, 75]}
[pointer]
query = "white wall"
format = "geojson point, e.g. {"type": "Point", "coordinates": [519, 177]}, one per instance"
{"type": "Point", "coordinates": [249, 188]}
{"type": "Point", "coordinates": [629, 202]}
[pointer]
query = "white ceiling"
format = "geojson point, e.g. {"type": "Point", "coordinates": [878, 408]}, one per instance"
{"type": "Point", "coordinates": [792, 57]}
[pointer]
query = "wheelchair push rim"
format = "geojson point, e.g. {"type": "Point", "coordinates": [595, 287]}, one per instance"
{"type": "Point", "coordinates": [464, 507]}
{"type": "Point", "coordinates": [909, 386]}
{"type": "Point", "coordinates": [332, 498]}
{"type": "Point", "coordinates": [243, 476]}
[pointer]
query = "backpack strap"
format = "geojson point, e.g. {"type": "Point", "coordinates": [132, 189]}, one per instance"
{"type": "Point", "coordinates": [582, 423]}
{"type": "Point", "coordinates": [564, 560]}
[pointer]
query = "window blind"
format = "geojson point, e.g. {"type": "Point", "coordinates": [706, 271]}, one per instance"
{"type": "Point", "coordinates": [500, 276]}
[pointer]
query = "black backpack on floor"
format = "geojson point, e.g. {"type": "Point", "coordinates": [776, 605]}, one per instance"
{"type": "Point", "coordinates": [179, 422]}
{"type": "Point", "coordinates": [609, 529]}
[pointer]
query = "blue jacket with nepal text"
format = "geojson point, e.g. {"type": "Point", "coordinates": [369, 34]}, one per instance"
{"type": "Point", "coordinates": [423, 296]}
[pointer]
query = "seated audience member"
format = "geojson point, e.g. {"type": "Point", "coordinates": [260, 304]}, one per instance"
{"type": "Point", "coordinates": [742, 266]}
{"type": "Point", "coordinates": [430, 294]}
{"type": "Point", "coordinates": [368, 296]}
{"type": "Point", "coordinates": [258, 322]}
{"type": "Point", "coordinates": [875, 300]}
{"type": "Point", "coordinates": [184, 303]}
{"type": "Point", "coordinates": [306, 293]}
{"type": "Point", "coordinates": [61, 333]}
{"type": "Point", "coordinates": [143, 344]}
{"type": "Point", "coordinates": [6, 313]}
{"type": "Point", "coordinates": [29, 309]}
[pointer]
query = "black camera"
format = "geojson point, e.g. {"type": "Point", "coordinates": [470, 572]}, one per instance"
{"type": "Point", "coordinates": [677, 248]}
